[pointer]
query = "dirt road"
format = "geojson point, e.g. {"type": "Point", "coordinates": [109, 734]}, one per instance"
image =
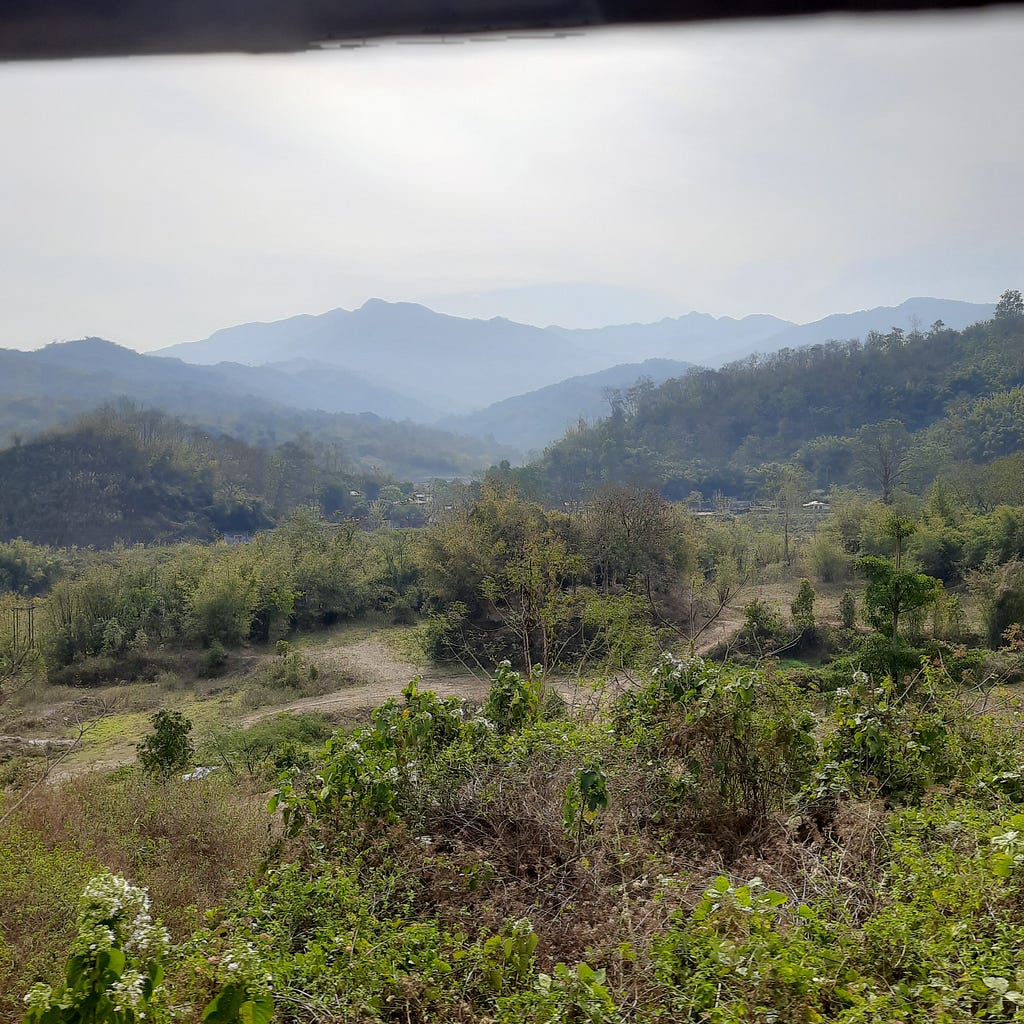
{"type": "Point", "coordinates": [369, 670]}
{"type": "Point", "coordinates": [379, 672]}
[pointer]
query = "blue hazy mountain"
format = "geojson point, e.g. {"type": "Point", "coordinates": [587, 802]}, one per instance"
{"type": "Point", "coordinates": [461, 364]}
{"type": "Point", "coordinates": [535, 419]}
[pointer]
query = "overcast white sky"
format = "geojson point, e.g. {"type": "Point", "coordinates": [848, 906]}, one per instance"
{"type": "Point", "coordinates": [798, 168]}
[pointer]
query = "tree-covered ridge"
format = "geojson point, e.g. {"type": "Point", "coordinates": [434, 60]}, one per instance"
{"type": "Point", "coordinates": [710, 429]}
{"type": "Point", "coordinates": [123, 474]}
{"type": "Point", "coordinates": [268, 405]}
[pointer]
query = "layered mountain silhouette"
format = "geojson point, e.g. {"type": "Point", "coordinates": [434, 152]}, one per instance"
{"type": "Point", "coordinates": [533, 420]}
{"type": "Point", "coordinates": [516, 384]}
{"type": "Point", "coordinates": [264, 405]}
{"type": "Point", "coordinates": [463, 364]}
{"type": "Point", "coordinates": [453, 362]}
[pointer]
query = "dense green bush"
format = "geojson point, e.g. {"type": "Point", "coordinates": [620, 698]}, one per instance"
{"type": "Point", "coordinates": [168, 748]}
{"type": "Point", "coordinates": [740, 742]}
{"type": "Point", "coordinates": [898, 738]}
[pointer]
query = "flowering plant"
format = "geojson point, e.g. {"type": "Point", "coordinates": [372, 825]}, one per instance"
{"type": "Point", "coordinates": [114, 970]}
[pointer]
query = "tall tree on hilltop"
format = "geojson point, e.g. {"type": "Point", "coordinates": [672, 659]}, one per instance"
{"type": "Point", "coordinates": [1010, 306]}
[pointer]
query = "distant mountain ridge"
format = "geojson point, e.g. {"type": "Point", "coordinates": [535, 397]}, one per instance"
{"type": "Point", "coordinates": [695, 337]}
{"type": "Point", "coordinates": [299, 383]}
{"type": "Point", "coordinates": [462, 364]}
{"type": "Point", "coordinates": [459, 363]}
{"type": "Point", "coordinates": [533, 420]}
{"type": "Point", "coordinates": [263, 405]}
{"type": "Point", "coordinates": [914, 314]}
{"type": "Point", "coordinates": [516, 384]}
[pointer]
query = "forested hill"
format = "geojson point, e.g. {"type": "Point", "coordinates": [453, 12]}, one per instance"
{"type": "Point", "coordinates": [534, 420]}
{"type": "Point", "coordinates": [140, 476]}
{"type": "Point", "coordinates": [264, 405]}
{"type": "Point", "coordinates": [712, 429]}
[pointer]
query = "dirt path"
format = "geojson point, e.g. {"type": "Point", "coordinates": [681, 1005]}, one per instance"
{"type": "Point", "coordinates": [379, 673]}
{"type": "Point", "coordinates": [727, 623]}
{"type": "Point", "coordinates": [374, 671]}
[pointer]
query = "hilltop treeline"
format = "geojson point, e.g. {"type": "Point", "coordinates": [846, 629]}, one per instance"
{"type": "Point", "coordinates": [924, 399]}
{"type": "Point", "coordinates": [131, 475]}
{"type": "Point", "coordinates": [51, 387]}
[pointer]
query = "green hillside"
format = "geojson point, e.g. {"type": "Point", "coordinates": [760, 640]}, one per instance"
{"type": "Point", "coordinates": [828, 406]}
{"type": "Point", "coordinates": [261, 405]}
{"type": "Point", "coordinates": [129, 476]}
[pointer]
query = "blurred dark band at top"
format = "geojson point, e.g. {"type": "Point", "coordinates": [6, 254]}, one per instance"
{"type": "Point", "coordinates": [51, 29]}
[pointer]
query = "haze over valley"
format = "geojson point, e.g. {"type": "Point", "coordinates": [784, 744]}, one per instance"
{"type": "Point", "coordinates": [519, 386]}
{"type": "Point", "coordinates": [523, 644]}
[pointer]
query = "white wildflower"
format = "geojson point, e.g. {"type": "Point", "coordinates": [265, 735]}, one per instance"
{"type": "Point", "coordinates": [127, 993]}
{"type": "Point", "coordinates": [39, 997]}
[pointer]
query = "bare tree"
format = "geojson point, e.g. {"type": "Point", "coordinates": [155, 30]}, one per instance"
{"type": "Point", "coordinates": [881, 454]}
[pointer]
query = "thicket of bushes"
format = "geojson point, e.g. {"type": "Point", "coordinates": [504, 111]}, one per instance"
{"type": "Point", "coordinates": [709, 846]}
{"type": "Point", "coordinates": [498, 577]}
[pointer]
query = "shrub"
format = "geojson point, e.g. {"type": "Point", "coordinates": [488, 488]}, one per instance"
{"type": "Point", "coordinates": [275, 744]}
{"type": "Point", "coordinates": [828, 562]}
{"type": "Point", "coordinates": [742, 948]}
{"type": "Point", "coordinates": [214, 659]}
{"type": "Point", "coordinates": [848, 611]}
{"type": "Point", "coordinates": [802, 608]}
{"type": "Point", "coordinates": [1002, 599]}
{"type": "Point", "coordinates": [441, 635]}
{"type": "Point", "coordinates": [577, 993]}
{"type": "Point", "coordinates": [115, 968]}
{"type": "Point", "coordinates": [743, 742]}
{"type": "Point", "coordinates": [373, 774]}
{"type": "Point", "coordinates": [898, 738]}
{"type": "Point", "coordinates": [512, 701]}
{"type": "Point", "coordinates": [167, 749]}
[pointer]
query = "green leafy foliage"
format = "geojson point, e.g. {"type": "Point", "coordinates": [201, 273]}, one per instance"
{"type": "Point", "coordinates": [898, 738]}
{"type": "Point", "coordinates": [513, 701]}
{"type": "Point", "coordinates": [893, 594]}
{"type": "Point", "coordinates": [373, 773]}
{"type": "Point", "coordinates": [741, 743]}
{"type": "Point", "coordinates": [585, 797]}
{"type": "Point", "coordinates": [115, 970]}
{"type": "Point", "coordinates": [847, 610]}
{"type": "Point", "coordinates": [235, 1004]}
{"type": "Point", "coordinates": [415, 845]}
{"type": "Point", "coordinates": [168, 748]}
{"type": "Point", "coordinates": [115, 967]}
{"type": "Point", "coordinates": [802, 608]}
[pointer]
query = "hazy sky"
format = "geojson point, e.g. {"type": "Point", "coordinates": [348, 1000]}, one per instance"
{"type": "Point", "coordinates": [798, 168]}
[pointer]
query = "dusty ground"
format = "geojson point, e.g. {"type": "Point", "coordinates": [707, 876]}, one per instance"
{"type": "Point", "coordinates": [376, 671]}
{"type": "Point", "coordinates": [362, 665]}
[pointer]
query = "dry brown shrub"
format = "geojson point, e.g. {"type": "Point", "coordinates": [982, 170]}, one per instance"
{"type": "Point", "coordinates": [189, 843]}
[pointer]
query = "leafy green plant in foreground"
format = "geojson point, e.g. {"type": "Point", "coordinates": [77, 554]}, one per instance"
{"type": "Point", "coordinates": [116, 969]}
{"type": "Point", "coordinates": [739, 742]}
{"type": "Point", "coordinates": [373, 774]}
{"type": "Point", "coordinates": [585, 797]}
